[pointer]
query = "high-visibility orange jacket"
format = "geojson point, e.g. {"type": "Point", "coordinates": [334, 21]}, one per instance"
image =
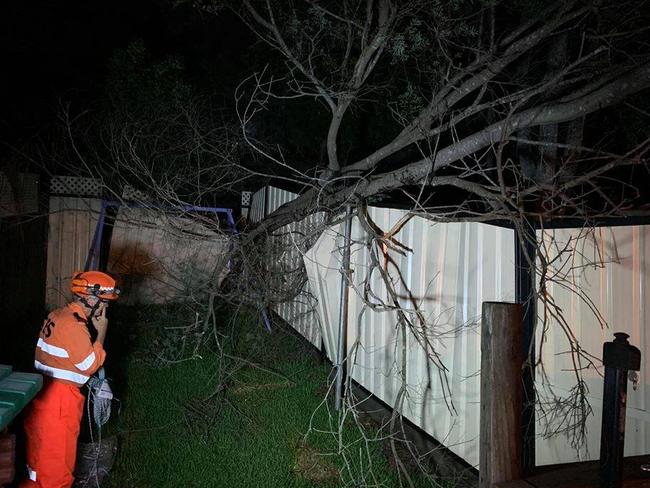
{"type": "Point", "coordinates": [64, 350]}
{"type": "Point", "coordinates": [65, 353]}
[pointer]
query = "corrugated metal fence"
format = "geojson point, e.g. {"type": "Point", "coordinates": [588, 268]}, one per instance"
{"type": "Point", "coordinates": [289, 241]}
{"type": "Point", "coordinates": [453, 268]}
{"type": "Point", "coordinates": [599, 283]}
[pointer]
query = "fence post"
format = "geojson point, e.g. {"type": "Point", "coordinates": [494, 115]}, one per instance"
{"type": "Point", "coordinates": [525, 255]}
{"type": "Point", "coordinates": [619, 358]}
{"type": "Point", "coordinates": [501, 450]}
{"type": "Point", "coordinates": [342, 346]}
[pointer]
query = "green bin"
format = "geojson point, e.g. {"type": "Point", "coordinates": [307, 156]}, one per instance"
{"type": "Point", "coordinates": [16, 391]}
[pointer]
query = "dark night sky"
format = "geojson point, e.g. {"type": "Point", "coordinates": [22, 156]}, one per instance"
{"type": "Point", "coordinates": [54, 51]}
{"type": "Point", "coordinates": [59, 50]}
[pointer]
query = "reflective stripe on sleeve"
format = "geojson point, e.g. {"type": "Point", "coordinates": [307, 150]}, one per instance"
{"type": "Point", "coordinates": [86, 363]}
{"type": "Point", "coordinates": [59, 352]}
{"type": "Point", "coordinates": [31, 472]}
{"type": "Point", "coordinates": [62, 374]}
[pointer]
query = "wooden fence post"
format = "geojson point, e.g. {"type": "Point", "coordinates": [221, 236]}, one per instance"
{"type": "Point", "coordinates": [502, 357]}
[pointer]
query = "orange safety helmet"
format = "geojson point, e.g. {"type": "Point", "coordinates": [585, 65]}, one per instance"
{"type": "Point", "coordinates": [94, 283]}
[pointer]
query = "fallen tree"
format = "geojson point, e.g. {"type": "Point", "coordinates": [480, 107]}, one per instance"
{"type": "Point", "coordinates": [490, 77]}
{"type": "Point", "coordinates": [494, 112]}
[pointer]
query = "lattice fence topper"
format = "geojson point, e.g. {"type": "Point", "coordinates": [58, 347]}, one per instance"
{"type": "Point", "coordinates": [131, 194]}
{"type": "Point", "coordinates": [246, 198]}
{"type": "Point", "coordinates": [75, 185]}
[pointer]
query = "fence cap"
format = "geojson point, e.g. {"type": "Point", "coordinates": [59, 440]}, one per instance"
{"type": "Point", "coordinates": [621, 354]}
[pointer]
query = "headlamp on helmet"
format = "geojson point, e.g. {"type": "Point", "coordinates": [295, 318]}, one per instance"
{"type": "Point", "coordinates": [94, 283]}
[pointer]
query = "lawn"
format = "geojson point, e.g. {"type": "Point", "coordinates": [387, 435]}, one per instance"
{"type": "Point", "coordinates": [177, 429]}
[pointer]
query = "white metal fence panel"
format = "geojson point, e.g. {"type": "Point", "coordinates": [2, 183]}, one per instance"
{"type": "Point", "coordinates": [323, 264]}
{"type": "Point", "coordinates": [277, 197]}
{"type": "Point", "coordinates": [258, 206]}
{"type": "Point", "coordinates": [301, 312]}
{"type": "Point", "coordinates": [268, 199]}
{"type": "Point", "coordinates": [453, 268]}
{"type": "Point", "coordinates": [289, 241]}
{"type": "Point", "coordinates": [601, 285]}
{"type": "Point", "coordinates": [72, 223]}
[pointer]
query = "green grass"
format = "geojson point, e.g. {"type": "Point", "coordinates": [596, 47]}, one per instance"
{"type": "Point", "coordinates": [173, 435]}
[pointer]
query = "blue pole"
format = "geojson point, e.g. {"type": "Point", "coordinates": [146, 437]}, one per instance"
{"type": "Point", "coordinates": [92, 260]}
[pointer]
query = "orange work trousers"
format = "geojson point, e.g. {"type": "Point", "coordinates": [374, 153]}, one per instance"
{"type": "Point", "coordinates": [52, 428]}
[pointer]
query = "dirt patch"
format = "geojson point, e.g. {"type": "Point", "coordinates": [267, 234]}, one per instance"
{"type": "Point", "coordinates": [313, 466]}
{"type": "Point", "coordinates": [403, 453]}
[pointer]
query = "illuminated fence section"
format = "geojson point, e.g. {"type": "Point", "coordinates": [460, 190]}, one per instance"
{"type": "Point", "coordinates": [453, 268]}
{"type": "Point", "coordinates": [601, 284]}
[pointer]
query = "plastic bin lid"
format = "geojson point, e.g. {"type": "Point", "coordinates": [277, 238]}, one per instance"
{"type": "Point", "coordinates": [16, 391]}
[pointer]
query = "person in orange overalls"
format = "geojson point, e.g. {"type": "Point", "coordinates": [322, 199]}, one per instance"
{"type": "Point", "coordinates": [69, 350]}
